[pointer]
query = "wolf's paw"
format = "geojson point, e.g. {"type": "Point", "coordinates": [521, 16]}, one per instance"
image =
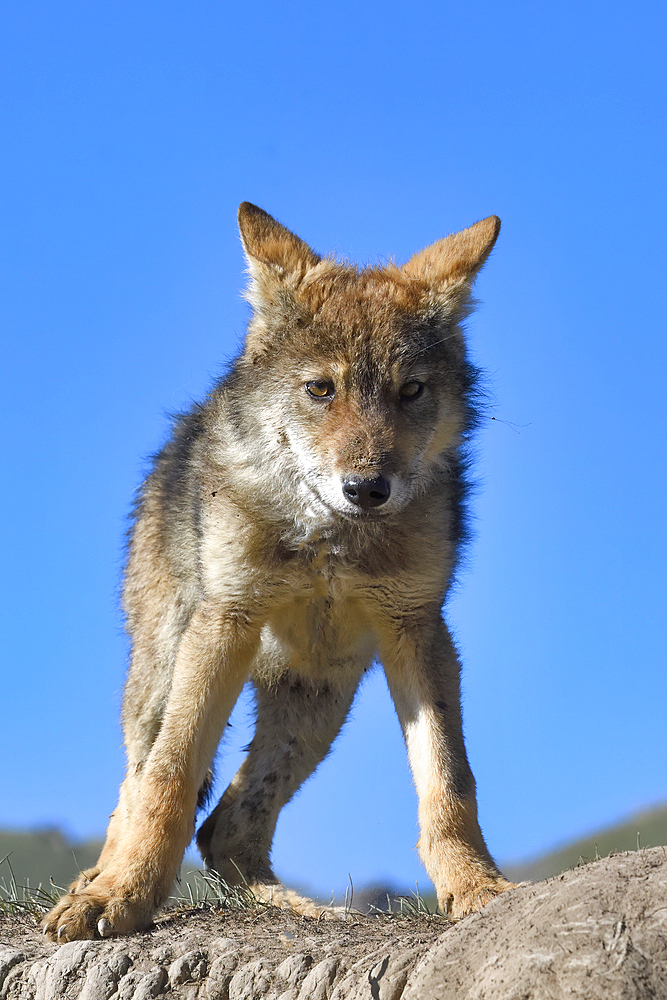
{"type": "Point", "coordinates": [84, 879]}
{"type": "Point", "coordinates": [473, 897]}
{"type": "Point", "coordinates": [287, 899]}
{"type": "Point", "coordinates": [93, 913]}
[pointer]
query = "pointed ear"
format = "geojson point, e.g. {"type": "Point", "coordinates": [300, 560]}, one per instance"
{"type": "Point", "coordinates": [455, 260]}
{"type": "Point", "coordinates": [276, 257]}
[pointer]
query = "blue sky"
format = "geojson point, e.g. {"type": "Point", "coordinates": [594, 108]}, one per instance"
{"type": "Point", "coordinates": [131, 131]}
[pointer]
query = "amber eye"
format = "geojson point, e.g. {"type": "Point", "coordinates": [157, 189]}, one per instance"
{"type": "Point", "coordinates": [411, 390]}
{"type": "Point", "coordinates": [320, 389]}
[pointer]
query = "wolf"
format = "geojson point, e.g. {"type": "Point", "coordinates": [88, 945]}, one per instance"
{"type": "Point", "coordinates": [302, 522]}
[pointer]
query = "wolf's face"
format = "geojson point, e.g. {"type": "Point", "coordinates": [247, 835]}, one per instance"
{"type": "Point", "coordinates": [361, 373]}
{"type": "Point", "coordinates": [370, 408]}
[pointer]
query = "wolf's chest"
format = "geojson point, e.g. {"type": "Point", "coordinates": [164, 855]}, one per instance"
{"type": "Point", "coordinates": [317, 627]}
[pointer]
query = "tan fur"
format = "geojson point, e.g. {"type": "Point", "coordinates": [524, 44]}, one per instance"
{"type": "Point", "coordinates": [290, 534]}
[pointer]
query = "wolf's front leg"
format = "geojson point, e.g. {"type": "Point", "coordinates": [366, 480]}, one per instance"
{"type": "Point", "coordinates": [210, 670]}
{"type": "Point", "coordinates": [422, 671]}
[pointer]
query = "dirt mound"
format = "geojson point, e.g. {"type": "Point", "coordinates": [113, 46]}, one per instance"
{"type": "Point", "coordinates": [597, 932]}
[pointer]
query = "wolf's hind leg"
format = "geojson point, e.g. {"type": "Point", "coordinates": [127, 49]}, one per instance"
{"type": "Point", "coordinates": [297, 721]}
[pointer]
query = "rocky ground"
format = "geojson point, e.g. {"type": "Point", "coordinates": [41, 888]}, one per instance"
{"type": "Point", "coordinates": [598, 932]}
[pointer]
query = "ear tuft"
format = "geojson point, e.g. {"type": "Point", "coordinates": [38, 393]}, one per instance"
{"type": "Point", "coordinates": [455, 259]}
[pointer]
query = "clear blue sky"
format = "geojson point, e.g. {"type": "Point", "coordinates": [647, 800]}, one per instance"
{"type": "Point", "coordinates": [131, 131]}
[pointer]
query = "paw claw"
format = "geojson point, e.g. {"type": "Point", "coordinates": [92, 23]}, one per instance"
{"type": "Point", "coordinates": [62, 931]}
{"type": "Point", "coordinates": [104, 927]}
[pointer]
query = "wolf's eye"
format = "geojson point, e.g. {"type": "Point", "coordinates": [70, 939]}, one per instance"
{"type": "Point", "coordinates": [320, 389]}
{"type": "Point", "coordinates": [411, 390]}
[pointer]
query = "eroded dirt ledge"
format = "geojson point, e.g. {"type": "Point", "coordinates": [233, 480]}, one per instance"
{"type": "Point", "coordinates": [598, 932]}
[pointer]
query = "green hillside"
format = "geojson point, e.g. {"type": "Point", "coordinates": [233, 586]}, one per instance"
{"type": "Point", "coordinates": [35, 857]}
{"type": "Point", "coordinates": [644, 829]}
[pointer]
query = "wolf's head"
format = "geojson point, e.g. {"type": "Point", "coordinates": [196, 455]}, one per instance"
{"type": "Point", "coordinates": [361, 373]}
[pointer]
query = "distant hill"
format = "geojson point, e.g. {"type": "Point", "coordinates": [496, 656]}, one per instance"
{"type": "Point", "coordinates": [643, 829]}
{"type": "Point", "coordinates": [35, 857]}
{"type": "Point", "coordinates": [38, 856]}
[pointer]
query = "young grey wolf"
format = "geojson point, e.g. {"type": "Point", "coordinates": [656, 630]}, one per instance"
{"type": "Point", "coordinates": [302, 521]}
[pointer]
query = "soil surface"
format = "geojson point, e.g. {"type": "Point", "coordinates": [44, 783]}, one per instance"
{"type": "Point", "coordinates": [599, 931]}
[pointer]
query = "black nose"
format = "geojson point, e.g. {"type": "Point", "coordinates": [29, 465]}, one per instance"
{"type": "Point", "coordinates": [367, 493]}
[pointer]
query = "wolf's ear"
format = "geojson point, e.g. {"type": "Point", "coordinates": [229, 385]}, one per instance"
{"type": "Point", "coordinates": [451, 264]}
{"type": "Point", "coordinates": [276, 257]}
